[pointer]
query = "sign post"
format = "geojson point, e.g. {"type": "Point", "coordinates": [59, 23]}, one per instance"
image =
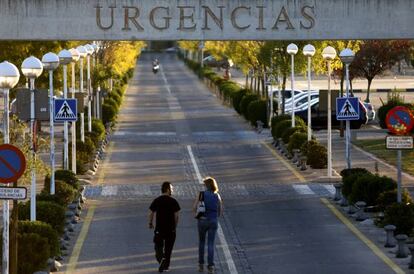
{"type": "Point", "coordinates": [399, 121]}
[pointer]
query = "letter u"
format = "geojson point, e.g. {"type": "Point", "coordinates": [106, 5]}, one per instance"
{"type": "Point", "coordinates": [98, 18]}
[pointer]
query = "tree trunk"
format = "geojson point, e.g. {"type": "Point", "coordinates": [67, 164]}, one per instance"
{"type": "Point", "coordinates": [368, 90]}
{"type": "Point", "coordinates": [13, 236]}
{"type": "Point", "coordinates": [247, 81]}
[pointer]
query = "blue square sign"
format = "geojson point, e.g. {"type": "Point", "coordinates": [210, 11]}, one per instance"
{"type": "Point", "coordinates": [347, 108]}
{"type": "Point", "coordinates": [65, 110]}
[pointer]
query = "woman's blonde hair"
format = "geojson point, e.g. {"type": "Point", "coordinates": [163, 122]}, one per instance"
{"type": "Point", "coordinates": [211, 184]}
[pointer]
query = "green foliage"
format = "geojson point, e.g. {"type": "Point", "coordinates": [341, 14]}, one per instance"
{"type": "Point", "coordinates": [402, 216]}
{"type": "Point", "coordinates": [389, 197]}
{"type": "Point", "coordinates": [304, 148]}
{"type": "Point", "coordinates": [349, 177]}
{"type": "Point", "coordinates": [33, 252]}
{"type": "Point", "coordinates": [45, 231]}
{"type": "Point", "coordinates": [281, 127]}
{"type": "Point", "coordinates": [256, 111]}
{"type": "Point", "coordinates": [290, 131]}
{"type": "Point", "coordinates": [276, 120]}
{"type": "Point", "coordinates": [48, 212]}
{"type": "Point", "coordinates": [297, 140]}
{"type": "Point", "coordinates": [68, 177]}
{"type": "Point", "coordinates": [317, 156]}
{"type": "Point", "coordinates": [108, 113]}
{"type": "Point", "coordinates": [114, 96]}
{"type": "Point", "coordinates": [64, 193]}
{"type": "Point", "coordinates": [111, 102]}
{"type": "Point", "coordinates": [244, 103]}
{"type": "Point", "coordinates": [368, 188]}
{"type": "Point", "coordinates": [228, 89]}
{"type": "Point", "coordinates": [237, 97]}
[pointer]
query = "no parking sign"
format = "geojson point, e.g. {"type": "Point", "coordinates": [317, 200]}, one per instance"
{"type": "Point", "coordinates": [400, 120]}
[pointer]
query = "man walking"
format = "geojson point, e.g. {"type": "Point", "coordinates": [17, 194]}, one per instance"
{"type": "Point", "coordinates": [166, 211]}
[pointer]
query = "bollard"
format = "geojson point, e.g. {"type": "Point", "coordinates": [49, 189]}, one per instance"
{"type": "Point", "coordinates": [338, 193]}
{"type": "Point", "coordinates": [411, 265]}
{"type": "Point", "coordinates": [390, 241]}
{"type": "Point", "coordinates": [279, 144]}
{"type": "Point", "coordinates": [361, 215]}
{"type": "Point", "coordinates": [344, 201]}
{"type": "Point", "coordinates": [351, 209]}
{"type": "Point", "coordinates": [295, 155]}
{"type": "Point", "coordinates": [298, 162]}
{"type": "Point", "coordinates": [402, 246]}
{"type": "Point", "coordinates": [303, 160]}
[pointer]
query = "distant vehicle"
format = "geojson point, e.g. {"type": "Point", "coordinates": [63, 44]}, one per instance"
{"type": "Point", "coordinates": [300, 99]}
{"type": "Point", "coordinates": [370, 111]}
{"type": "Point", "coordinates": [320, 118]}
{"type": "Point", "coordinates": [210, 61]}
{"type": "Point", "coordinates": [288, 93]}
{"type": "Point", "coordinates": [172, 49]}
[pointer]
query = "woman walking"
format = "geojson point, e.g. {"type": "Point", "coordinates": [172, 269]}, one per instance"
{"type": "Point", "coordinates": [208, 221]}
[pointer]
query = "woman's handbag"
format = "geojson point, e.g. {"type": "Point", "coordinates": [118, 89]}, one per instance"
{"type": "Point", "coordinates": [201, 208]}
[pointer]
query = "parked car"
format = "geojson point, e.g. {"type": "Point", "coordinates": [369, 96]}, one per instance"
{"type": "Point", "coordinates": [211, 61]}
{"type": "Point", "coordinates": [320, 118]}
{"type": "Point", "coordinates": [300, 100]}
{"type": "Point", "coordinates": [288, 93]}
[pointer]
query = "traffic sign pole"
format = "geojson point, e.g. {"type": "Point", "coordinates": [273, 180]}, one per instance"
{"type": "Point", "coordinates": [399, 156]}
{"type": "Point", "coordinates": [6, 205]}
{"type": "Point", "coordinates": [347, 124]}
{"type": "Point", "coordinates": [52, 135]}
{"type": "Point", "coordinates": [33, 167]}
{"type": "Point", "coordinates": [65, 126]}
{"type": "Point", "coordinates": [73, 123]}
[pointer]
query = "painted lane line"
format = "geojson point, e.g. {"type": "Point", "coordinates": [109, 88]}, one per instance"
{"type": "Point", "coordinates": [362, 237]}
{"type": "Point", "coordinates": [226, 251]}
{"type": "Point", "coordinates": [303, 189]}
{"type": "Point", "coordinates": [109, 190]}
{"type": "Point", "coordinates": [193, 161]}
{"type": "Point", "coordinates": [330, 188]}
{"type": "Point", "coordinates": [287, 165]}
{"type": "Point", "coordinates": [167, 86]}
{"type": "Point", "coordinates": [73, 261]}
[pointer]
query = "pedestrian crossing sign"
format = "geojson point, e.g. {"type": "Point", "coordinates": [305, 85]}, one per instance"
{"type": "Point", "coordinates": [65, 110]}
{"type": "Point", "coordinates": [347, 108]}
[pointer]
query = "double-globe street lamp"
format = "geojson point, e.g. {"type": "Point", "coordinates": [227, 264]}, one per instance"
{"type": "Point", "coordinates": [50, 63]}
{"type": "Point", "coordinates": [65, 58]}
{"type": "Point", "coordinates": [347, 56]}
{"type": "Point", "coordinates": [309, 52]}
{"type": "Point", "coordinates": [328, 54]}
{"type": "Point", "coordinates": [9, 77]}
{"type": "Point", "coordinates": [82, 54]}
{"type": "Point", "coordinates": [32, 68]}
{"type": "Point", "coordinates": [75, 57]}
{"type": "Point", "coordinates": [292, 49]}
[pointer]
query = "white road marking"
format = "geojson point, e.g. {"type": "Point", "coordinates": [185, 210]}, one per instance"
{"type": "Point", "coordinates": [330, 188]}
{"type": "Point", "coordinates": [109, 190]}
{"type": "Point", "coordinates": [303, 189]}
{"type": "Point", "coordinates": [150, 133]}
{"type": "Point", "coordinates": [167, 86]}
{"type": "Point", "coordinates": [227, 254]}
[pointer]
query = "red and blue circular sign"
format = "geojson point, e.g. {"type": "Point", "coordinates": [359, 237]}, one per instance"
{"type": "Point", "coordinates": [400, 120]}
{"type": "Point", "coordinates": [12, 163]}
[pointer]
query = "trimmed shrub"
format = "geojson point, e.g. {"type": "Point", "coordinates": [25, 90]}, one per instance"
{"type": "Point", "coordinates": [304, 148]}
{"type": "Point", "coordinates": [48, 212]}
{"type": "Point", "coordinates": [256, 111]}
{"type": "Point", "coordinates": [368, 188]}
{"type": "Point", "coordinates": [244, 103]}
{"type": "Point", "coordinates": [389, 197]}
{"type": "Point", "coordinates": [116, 97]}
{"type": "Point", "coordinates": [108, 113]}
{"type": "Point", "coordinates": [112, 103]}
{"type": "Point", "coordinates": [349, 176]}
{"type": "Point", "coordinates": [290, 131]}
{"type": "Point", "coordinates": [67, 176]}
{"type": "Point", "coordinates": [33, 252]}
{"type": "Point", "coordinates": [297, 140]}
{"type": "Point", "coordinates": [281, 127]}
{"type": "Point", "coordinates": [237, 97]}
{"type": "Point", "coordinates": [402, 216]}
{"type": "Point", "coordinates": [45, 231]}
{"type": "Point", "coordinates": [317, 156]}
{"type": "Point", "coordinates": [64, 193]}
{"type": "Point", "coordinates": [276, 120]}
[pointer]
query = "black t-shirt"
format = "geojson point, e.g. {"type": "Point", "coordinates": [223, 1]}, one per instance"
{"type": "Point", "coordinates": [165, 206]}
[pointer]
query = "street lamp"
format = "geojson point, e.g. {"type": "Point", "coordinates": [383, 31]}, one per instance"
{"type": "Point", "coordinates": [89, 51]}
{"type": "Point", "coordinates": [32, 68]}
{"type": "Point", "coordinates": [309, 51]}
{"type": "Point", "coordinates": [347, 56]}
{"type": "Point", "coordinates": [328, 54]}
{"type": "Point", "coordinates": [82, 54]}
{"type": "Point", "coordinates": [65, 58]}
{"type": "Point", "coordinates": [9, 77]}
{"type": "Point", "coordinates": [50, 63]}
{"type": "Point", "coordinates": [292, 49]}
{"type": "Point", "coordinates": [75, 57]}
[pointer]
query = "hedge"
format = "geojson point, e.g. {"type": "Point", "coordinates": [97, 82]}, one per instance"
{"type": "Point", "coordinates": [64, 193]}
{"type": "Point", "coordinates": [45, 231]}
{"type": "Point", "coordinates": [349, 177]}
{"type": "Point", "coordinates": [290, 131]}
{"type": "Point", "coordinates": [108, 113]}
{"type": "Point", "coordinates": [257, 111]}
{"type": "Point", "coordinates": [317, 156]}
{"type": "Point", "coordinates": [245, 101]}
{"type": "Point", "coordinates": [276, 120]}
{"type": "Point", "coordinates": [64, 175]}
{"type": "Point", "coordinates": [33, 252]}
{"type": "Point", "coordinates": [237, 97]}
{"type": "Point", "coordinates": [368, 188]}
{"type": "Point", "coordinates": [389, 197]}
{"type": "Point", "coordinates": [402, 216]}
{"type": "Point", "coordinates": [304, 148]}
{"type": "Point", "coordinates": [297, 140]}
{"type": "Point", "coordinates": [48, 212]}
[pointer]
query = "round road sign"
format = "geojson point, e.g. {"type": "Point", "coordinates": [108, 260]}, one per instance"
{"type": "Point", "coordinates": [12, 163]}
{"type": "Point", "coordinates": [400, 120]}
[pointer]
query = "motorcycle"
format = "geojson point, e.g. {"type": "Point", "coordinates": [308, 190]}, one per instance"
{"type": "Point", "coordinates": [155, 68]}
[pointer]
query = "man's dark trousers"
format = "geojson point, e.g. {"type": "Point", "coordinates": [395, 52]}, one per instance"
{"type": "Point", "coordinates": [164, 243]}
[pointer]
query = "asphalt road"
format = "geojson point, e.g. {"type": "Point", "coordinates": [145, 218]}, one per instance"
{"type": "Point", "coordinates": [172, 128]}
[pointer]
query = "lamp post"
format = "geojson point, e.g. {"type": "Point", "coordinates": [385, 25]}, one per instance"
{"type": "Point", "coordinates": [9, 76]}
{"type": "Point", "coordinates": [65, 58]}
{"type": "Point", "coordinates": [309, 51]}
{"type": "Point", "coordinates": [89, 51]}
{"type": "Point", "coordinates": [328, 54]}
{"type": "Point", "coordinates": [292, 49]}
{"type": "Point", "coordinates": [50, 63]}
{"type": "Point", "coordinates": [82, 54]}
{"type": "Point", "coordinates": [75, 57]}
{"type": "Point", "coordinates": [347, 56]}
{"type": "Point", "coordinates": [32, 68]}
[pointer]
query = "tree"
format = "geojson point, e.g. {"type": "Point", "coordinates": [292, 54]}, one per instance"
{"type": "Point", "coordinates": [377, 56]}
